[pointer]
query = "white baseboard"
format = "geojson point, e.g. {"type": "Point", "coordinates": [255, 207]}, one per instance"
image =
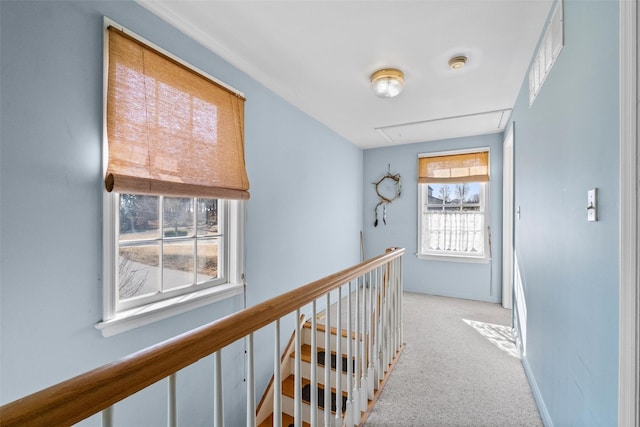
{"type": "Point", "coordinates": [542, 408]}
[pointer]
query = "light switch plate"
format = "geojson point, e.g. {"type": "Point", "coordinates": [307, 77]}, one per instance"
{"type": "Point", "coordinates": [592, 205]}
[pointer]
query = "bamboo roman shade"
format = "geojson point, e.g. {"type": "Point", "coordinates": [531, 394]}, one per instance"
{"type": "Point", "coordinates": [171, 131]}
{"type": "Point", "coordinates": [454, 168]}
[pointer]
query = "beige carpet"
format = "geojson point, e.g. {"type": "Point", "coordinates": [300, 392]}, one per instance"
{"type": "Point", "coordinates": [459, 368]}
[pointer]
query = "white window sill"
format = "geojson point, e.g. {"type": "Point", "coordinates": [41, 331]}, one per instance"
{"type": "Point", "coordinates": [140, 316]}
{"type": "Point", "coordinates": [454, 258]}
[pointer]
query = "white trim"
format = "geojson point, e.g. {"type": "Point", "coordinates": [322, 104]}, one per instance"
{"type": "Point", "coordinates": [629, 353]}
{"type": "Point", "coordinates": [535, 390]}
{"type": "Point", "coordinates": [146, 314]}
{"type": "Point", "coordinates": [236, 220]}
{"type": "Point", "coordinates": [454, 258]}
{"type": "Point", "coordinates": [507, 219]}
{"type": "Point", "coordinates": [109, 256]}
{"type": "Point", "coordinates": [163, 11]}
{"type": "Point", "coordinates": [520, 307]}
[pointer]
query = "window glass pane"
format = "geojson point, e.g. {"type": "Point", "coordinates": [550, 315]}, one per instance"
{"type": "Point", "coordinates": [453, 219]}
{"type": "Point", "coordinates": [167, 250]}
{"type": "Point", "coordinates": [208, 260]}
{"type": "Point", "coordinates": [454, 231]}
{"type": "Point", "coordinates": [138, 270]}
{"type": "Point", "coordinates": [178, 264]}
{"type": "Point", "coordinates": [207, 217]}
{"type": "Point", "coordinates": [453, 194]}
{"type": "Point", "coordinates": [177, 217]}
{"type": "Point", "coordinates": [138, 217]}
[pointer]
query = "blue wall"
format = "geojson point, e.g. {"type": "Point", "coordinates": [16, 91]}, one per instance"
{"type": "Point", "coordinates": [306, 205]}
{"type": "Point", "coordinates": [447, 278]}
{"type": "Point", "coordinates": [565, 144]}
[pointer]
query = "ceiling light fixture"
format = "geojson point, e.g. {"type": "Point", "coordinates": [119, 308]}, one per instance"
{"type": "Point", "coordinates": [457, 62]}
{"type": "Point", "coordinates": [387, 83]}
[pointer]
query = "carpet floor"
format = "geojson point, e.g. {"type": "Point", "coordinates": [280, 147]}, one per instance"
{"type": "Point", "coordinates": [459, 368]}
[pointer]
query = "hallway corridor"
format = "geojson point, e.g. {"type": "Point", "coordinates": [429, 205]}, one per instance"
{"type": "Point", "coordinates": [458, 368]}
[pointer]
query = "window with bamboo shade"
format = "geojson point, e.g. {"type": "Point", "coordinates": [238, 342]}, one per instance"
{"type": "Point", "coordinates": [175, 178]}
{"type": "Point", "coordinates": [453, 192]}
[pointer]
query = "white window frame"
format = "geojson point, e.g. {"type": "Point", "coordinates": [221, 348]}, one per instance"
{"type": "Point", "coordinates": [118, 318]}
{"type": "Point", "coordinates": [484, 201]}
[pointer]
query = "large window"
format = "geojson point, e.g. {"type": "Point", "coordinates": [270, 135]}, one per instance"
{"type": "Point", "coordinates": [175, 179]}
{"type": "Point", "coordinates": [168, 246]}
{"type": "Point", "coordinates": [453, 194]}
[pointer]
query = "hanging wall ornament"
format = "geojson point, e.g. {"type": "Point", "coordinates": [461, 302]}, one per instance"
{"type": "Point", "coordinates": [388, 188]}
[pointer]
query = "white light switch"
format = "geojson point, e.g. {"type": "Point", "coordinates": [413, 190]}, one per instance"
{"type": "Point", "coordinates": [592, 205]}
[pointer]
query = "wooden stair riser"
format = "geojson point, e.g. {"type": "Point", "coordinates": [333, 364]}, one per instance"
{"type": "Point", "coordinates": [287, 421]}
{"type": "Point", "coordinates": [288, 391]}
{"type": "Point", "coordinates": [288, 408]}
{"type": "Point", "coordinates": [305, 368]}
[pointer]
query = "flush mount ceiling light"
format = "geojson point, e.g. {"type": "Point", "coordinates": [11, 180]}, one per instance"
{"type": "Point", "coordinates": [457, 62]}
{"type": "Point", "coordinates": [387, 83]}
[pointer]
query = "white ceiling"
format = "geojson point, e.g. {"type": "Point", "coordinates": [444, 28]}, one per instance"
{"type": "Point", "coordinates": [318, 55]}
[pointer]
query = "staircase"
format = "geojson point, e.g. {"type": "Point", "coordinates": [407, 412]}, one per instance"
{"type": "Point", "coordinates": [368, 334]}
{"type": "Point", "coordinates": [356, 405]}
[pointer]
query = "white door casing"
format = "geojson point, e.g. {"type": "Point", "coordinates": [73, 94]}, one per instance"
{"type": "Point", "coordinates": [507, 219]}
{"type": "Point", "coordinates": [629, 347]}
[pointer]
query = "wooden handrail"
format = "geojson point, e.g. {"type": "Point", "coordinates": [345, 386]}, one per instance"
{"type": "Point", "coordinates": [80, 397]}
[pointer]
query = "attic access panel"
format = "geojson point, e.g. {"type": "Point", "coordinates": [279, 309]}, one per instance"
{"type": "Point", "coordinates": [448, 127]}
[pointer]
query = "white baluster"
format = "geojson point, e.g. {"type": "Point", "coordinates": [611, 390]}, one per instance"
{"type": "Point", "coordinates": [385, 320]}
{"type": "Point", "coordinates": [401, 299]}
{"type": "Point", "coordinates": [389, 340]}
{"type": "Point", "coordinates": [277, 379]}
{"type": "Point", "coordinates": [376, 326]}
{"type": "Point", "coordinates": [362, 343]}
{"type": "Point", "coordinates": [388, 319]}
{"type": "Point", "coordinates": [398, 304]}
{"type": "Point", "coordinates": [172, 416]}
{"type": "Point", "coordinates": [338, 419]}
{"type": "Point", "coordinates": [371, 326]}
{"type": "Point", "coordinates": [218, 415]}
{"type": "Point", "coordinates": [313, 413]}
{"type": "Point", "coordinates": [327, 363]}
{"type": "Point", "coordinates": [297, 394]}
{"type": "Point", "coordinates": [356, 366]}
{"type": "Point", "coordinates": [392, 312]}
{"type": "Point", "coordinates": [251, 390]}
{"type": "Point", "coordinates": [348, 418]}
{"type": "Point", "coordinates": [378, 336]}
{"type": "Point", "coordinates": [395, 345]}
{"type": "Point", "coordinates": [107, 417]}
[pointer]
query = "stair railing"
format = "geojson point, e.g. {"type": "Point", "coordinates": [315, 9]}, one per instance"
{"type": "Point", "coordinates": [374, 287]}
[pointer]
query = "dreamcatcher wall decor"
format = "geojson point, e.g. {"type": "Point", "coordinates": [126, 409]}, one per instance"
{"type": "Point", "coordinates": [388, 188]}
